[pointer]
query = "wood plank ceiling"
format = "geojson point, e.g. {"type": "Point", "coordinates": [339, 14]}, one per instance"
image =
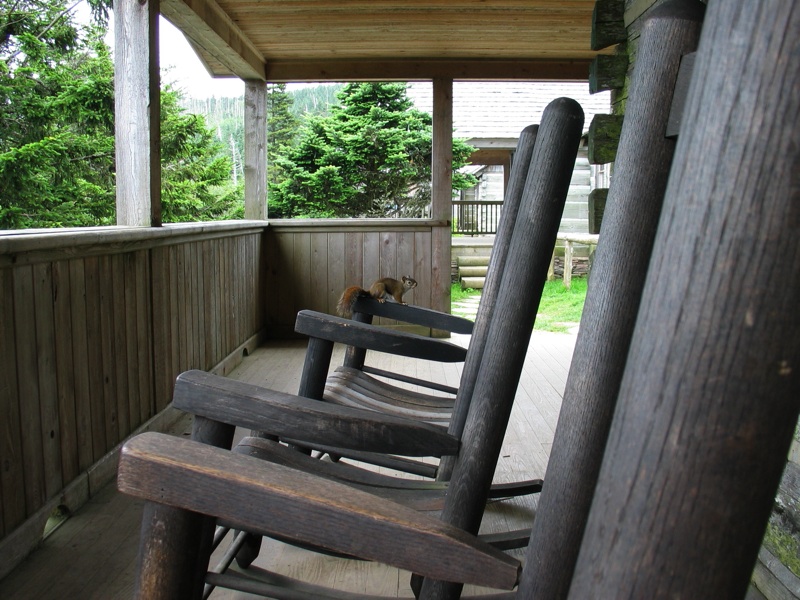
{"type": "Point", "coordinates": [329, 40]}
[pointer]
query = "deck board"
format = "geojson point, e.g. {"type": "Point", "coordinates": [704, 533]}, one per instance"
{"type": "Point", "coordinates": [93, 554]}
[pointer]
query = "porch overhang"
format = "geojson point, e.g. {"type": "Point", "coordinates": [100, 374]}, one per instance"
{"type": "Point", "coordinates": [353, 40]}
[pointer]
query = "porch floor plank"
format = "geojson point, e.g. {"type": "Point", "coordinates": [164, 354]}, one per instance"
{"type": "Point", "coordinates": [93, 554]}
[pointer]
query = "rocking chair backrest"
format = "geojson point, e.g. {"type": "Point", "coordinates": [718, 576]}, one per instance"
{"type": "Point", "coordinates": [620, 266]}
{"type": "Point", "coordinates": [523, 278]}
{"type": "Point", "coordinates": [365, 308]}
{"type": "Point", "coordinates": [500, 248]}
{"type": "Point", "coordinates": [708, 402]}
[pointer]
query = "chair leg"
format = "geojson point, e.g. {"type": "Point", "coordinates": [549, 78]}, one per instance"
{"type": "Point", "coordinates": [175, 545]}
{"type": "Point", "coordinates": [174, 549]}
{"type": "Point", "coordinates": [249, 550]}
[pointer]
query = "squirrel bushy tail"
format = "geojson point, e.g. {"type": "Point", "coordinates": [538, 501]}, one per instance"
{"type": "Point", "coordinates": [382, 290]}
{"type": "Point", "coordinates": [345, 305]}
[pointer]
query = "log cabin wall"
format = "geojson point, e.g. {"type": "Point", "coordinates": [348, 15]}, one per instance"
{"type": "Point", "coordinates": [94, 327]}
{"type": "Point", "coordinates": [312, 261]}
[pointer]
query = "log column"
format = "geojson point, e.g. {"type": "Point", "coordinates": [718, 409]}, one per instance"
{"type": "Point", "coordinates": [137, 113]}
{"type": "Point", "coordinates": [441, 192]}
{"type": "Point", "coordinates": [255, 149]}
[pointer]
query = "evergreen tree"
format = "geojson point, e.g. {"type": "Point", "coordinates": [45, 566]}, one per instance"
{"type": "Point", "coordinates": [57, 140]}
{"type": "Point", "coordinates": [370, 158]}
{"type": "Point", "coordinates": [281, 129]}
{"type": "Point", "coordinates": [196, 180]}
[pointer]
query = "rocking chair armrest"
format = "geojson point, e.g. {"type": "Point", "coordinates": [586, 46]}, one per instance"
{"type": "Point", "coordinates": [416, 315]}
{"type": "Point", "coordinates": [269, 499]}
{"type": "Point", "coordinates": [303, 420]}
{"type": "Point", "coordinates": [363, 335]}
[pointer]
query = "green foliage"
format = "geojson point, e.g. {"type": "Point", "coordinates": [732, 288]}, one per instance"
{"type": "Point", "coordinates": [195, 174]}
{"type": "Point", "coordinates": [457, 293]}
{"type": "Point", "coordinates": [281, 130]}
{"type": "Point", "coordinates": [315, 100]}
{"type": "Point", "coordinates": [56, 99]}
{"type": "Point", "coordinates": [370, 158]}
{"type": "Point", "coordinates": [559, 310]}
{"type": "Point", "coordinates": [561, 307]}
{"type": "Point", "coordinates": [57, 144]}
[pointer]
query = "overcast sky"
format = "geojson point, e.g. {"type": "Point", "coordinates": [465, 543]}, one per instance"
{"type": "Point", "coordinates": [179, 63]}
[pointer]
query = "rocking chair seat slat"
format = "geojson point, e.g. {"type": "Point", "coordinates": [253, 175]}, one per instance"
{"type": "Point", "coordinates": [352, 387]}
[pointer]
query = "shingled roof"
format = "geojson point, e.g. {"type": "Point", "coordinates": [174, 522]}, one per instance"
{"type": "Point", "coordinates": [500, 110]}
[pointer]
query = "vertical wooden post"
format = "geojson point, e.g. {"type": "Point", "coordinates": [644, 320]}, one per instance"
{"type": "Point", "coordinates": [620, 265]}
{"type": "Point", "coordinates": [255, 149]}
{"type": "Point", "coordinates": [441, 192]}
{"type": "Point", "coordinates": [709, 399]}
{"type": "Point", "coordinates": [567, 264]}
{"type": "Point", "coordinates": [137, 113]}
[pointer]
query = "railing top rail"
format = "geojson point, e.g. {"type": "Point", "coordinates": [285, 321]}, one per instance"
{"type": "Point", "coordinates": [29, 246]}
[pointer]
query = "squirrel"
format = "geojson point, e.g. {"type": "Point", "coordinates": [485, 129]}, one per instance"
{"type": "Point", "coordinates": [381, 290]}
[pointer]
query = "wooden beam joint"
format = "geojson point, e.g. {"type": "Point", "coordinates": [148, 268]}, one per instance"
{"type": "Point", "coordinates": [604, 133]}
{"type": "Point", "coordinates": [608, 25]}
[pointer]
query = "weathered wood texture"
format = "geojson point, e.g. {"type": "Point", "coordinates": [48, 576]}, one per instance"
{"type": "Point", "coordinates": [607, 72]}
{"type": "Point", "coordinates": [709, 400]}
{"type": "Point", "coordinates": [608, 27]}
{"type": "Point", "coordinates": [273, 499]}
{"type": "Point", "coordinates": [310, 263]}
{"type": "Point", "coordinates": [525, 268]}
{"type": "Point", "coordinates": [620, 265]}
{"type": "Point", "coordinates": [604, 133]}
{"type": "Point", "coordinates": [93, 335]}
{"type": "Point", "coordinates": [255, 150]}
{"type": "Point", "coordinates": [597, 207]}
{"type": "Point", "coordinates": [137, 126]}
{"type": "Point", "coordinates": [441, 193]}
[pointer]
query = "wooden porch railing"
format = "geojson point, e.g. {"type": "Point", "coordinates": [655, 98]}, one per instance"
{"type": "Point", "coordinates": [472, 217]}
{"type": "Point", "coordinates": [313, 261]}
{"type": "Point", "coordinates": [95, 324]}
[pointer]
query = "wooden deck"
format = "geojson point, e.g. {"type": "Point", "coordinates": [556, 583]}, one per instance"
{"type": "Point", "coordinates": [93, 554]}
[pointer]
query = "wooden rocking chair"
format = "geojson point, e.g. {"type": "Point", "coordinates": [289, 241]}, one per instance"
{"type": "Point", "coordinates": [705, 413]}
{"type": "Point", "coordinates": [220, 404]}
{"type": "Point", "coordinates": [352, 384]}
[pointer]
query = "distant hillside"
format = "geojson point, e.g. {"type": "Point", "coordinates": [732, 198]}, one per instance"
{"type": "Point", "coordinates": [315, 100]}
{"type": "Point", "coordinates": [226, 116]}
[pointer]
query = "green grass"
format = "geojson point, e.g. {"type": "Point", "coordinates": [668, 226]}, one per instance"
{"type": "Point", "coordinates": [559, 310]}
{"type": "Point", "coordinates": [457, 293]}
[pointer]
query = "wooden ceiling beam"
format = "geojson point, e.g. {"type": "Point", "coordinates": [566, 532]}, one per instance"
{"type": "Point", "coordinates": [210, 28]}
{"type": "Point", "coordinates": [421, 70]}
